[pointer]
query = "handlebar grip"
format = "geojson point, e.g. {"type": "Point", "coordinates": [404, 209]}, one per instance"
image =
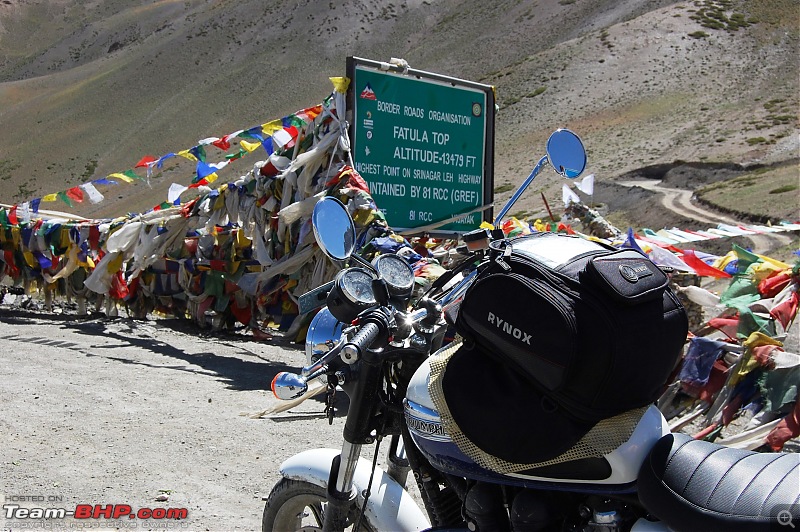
{"type": "Point", "coordinates": [363, 339]}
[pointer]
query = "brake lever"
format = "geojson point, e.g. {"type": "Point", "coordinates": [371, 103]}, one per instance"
{"type": "Point", "coordinates": [321, 364]}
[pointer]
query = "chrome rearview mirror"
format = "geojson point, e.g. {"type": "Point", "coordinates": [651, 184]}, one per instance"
{"type": "Point", "coordinates": [567, 156]}
{"type": "Point", "coordinates": [566, 153]}
{"type": "Point", "coordinates": [333, 228]}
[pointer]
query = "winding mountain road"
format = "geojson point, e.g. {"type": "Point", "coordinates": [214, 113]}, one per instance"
{"type": "Point", "coordinates": [680, 201]}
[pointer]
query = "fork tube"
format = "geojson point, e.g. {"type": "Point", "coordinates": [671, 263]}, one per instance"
{"type": "Point", "coordinates": [339, 500]}
{"type": "Point", "coordinates": [347, 466]}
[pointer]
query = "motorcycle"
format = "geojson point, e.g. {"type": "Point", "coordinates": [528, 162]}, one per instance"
{"type": "Point", "coordinates": [370, 342]}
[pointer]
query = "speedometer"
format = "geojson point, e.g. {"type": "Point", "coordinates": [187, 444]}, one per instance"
{"type": "Point", "coordinates": [356, 285]}
{"type": "Point", "coordinates": [351, 294]}
{"type": "Point", "coordinates": [396, 272]}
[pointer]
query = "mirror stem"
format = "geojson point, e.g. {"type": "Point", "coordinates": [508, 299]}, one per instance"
{"type": "Point", "coordinates": [364, 262]}
{"type": "Point", "coordinates": [520, 190]}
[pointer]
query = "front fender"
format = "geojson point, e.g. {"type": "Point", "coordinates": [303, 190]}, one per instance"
{"type": "Point", "coordinates": [390, 507]}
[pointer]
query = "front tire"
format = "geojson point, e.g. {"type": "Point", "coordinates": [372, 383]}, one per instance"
{"type": "Point", "coordinates": [297, 505]}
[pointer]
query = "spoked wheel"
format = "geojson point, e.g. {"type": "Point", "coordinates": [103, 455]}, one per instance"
{"type": "Point", "coordinates": [295, 505]}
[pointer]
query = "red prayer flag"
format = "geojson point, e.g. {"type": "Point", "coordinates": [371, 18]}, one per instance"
{"type": "Point", "coordinates": [701, 267]}
{"type": "Point", "coordinates": [564, 227]}
{"type": "Point", "coordinates": [728, 326]}
{"type": "Point", "coordinates": [11, 266]}
{"type": "Point", "coordinates": [222, 143]}
{"type": "Point", "coordinates": [118, 288]}
{"type": "Point", "coordinates": [12, 216]}
{"type": "Point", "coordinates": [75, 193]}
{"type": "Point", "coordinates": [772, 285]}
{"type": "Point", "coordinates": [94, 237]}
{"type": "Point", "coordinates": [147, 159]}
{"type": "Point", "coordinates": [352, 177]}
{"type": "Point", "coordinates": [786, 311]}
{"type": "Point", "coordinates": [292, 130]}
{"type": "Point", "coordinates": [187, 209]}
{"type": "Point", "coordinates": [785, 430]}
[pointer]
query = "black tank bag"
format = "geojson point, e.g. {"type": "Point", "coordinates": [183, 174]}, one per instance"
{"type": "Point", "coordinates": [594, 329]}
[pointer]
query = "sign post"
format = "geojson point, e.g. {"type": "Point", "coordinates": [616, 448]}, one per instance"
{"type": "Point", "coordinates": [425, 145]}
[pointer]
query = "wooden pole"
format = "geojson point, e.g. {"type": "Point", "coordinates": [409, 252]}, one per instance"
{"type": "Point", "coordinates": [552, 218]}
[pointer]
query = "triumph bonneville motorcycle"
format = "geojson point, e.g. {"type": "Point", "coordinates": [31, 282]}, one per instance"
{"type": "Point", "coordinates": [371, 343]}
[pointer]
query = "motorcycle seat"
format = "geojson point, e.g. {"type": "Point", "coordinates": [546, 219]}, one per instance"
{"type": "Point", "coordinates": [697, 485]}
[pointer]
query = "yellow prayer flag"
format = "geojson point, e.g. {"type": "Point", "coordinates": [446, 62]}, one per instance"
{"type": "Point", "coordinates": [242, 241]}
{"type": "Point", "coordinates": [779, 265]}
{"type": "Point", "coordinates": [187, 155]}
{"type": "Point", "coordinates": [271, 127]}
{"type": "Point", "coordinates": [50, 197]}
{"type": "Point", "coordinates": [749, 362]}
{"type": "Point", "coordinates": [340, 84]}
{"type": "Point", "coordinates": [218, 203]}
{"type": "Point", "coordinates": [249, 146]}
{"type": "Point", "coordinates": [30, 260]}
{"type": "Point", "coordinates": [722, 262]}
{"type": "Point", "coordinates": [115, 264]}
{"type": "Point", "coordinates": [125, 178]}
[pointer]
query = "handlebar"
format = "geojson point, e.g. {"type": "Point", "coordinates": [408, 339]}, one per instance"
{"type": "Point", "coordinates": [377, 324]}
{"type": "Point", "coordinates": [364, 338]}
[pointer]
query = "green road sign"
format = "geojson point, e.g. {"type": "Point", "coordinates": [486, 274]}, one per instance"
{"type": "Point", "coordinates": [424, 143]}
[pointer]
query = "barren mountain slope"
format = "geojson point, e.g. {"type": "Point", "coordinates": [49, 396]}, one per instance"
{"type": "Point", "coordinates": [88, 88]}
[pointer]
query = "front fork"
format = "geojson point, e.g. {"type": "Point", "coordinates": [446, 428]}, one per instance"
{"type": "Point", "coordinates": [341, 491]}
{"type": "Point", "coordinates": [357, 431]}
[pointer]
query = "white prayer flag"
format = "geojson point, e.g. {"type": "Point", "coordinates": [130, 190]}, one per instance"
{"type": "Point", "coordinates": [24, 212]}
{"type": "Point", "coordinates": [568, 196]}
{"type": "Point", "coordinates": [175, 191]}
{"type": "Point", "coordinates": [281, 138]}
{"type": "Point", "coordinates": [95, 196]}
{"type": "Point", "coordinates": [587, 185]}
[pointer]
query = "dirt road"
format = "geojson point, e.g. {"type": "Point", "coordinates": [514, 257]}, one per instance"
{"type": "Point", "coordinates": [680, 201]}
{"type": "Point", "coordinates": [121, 412]}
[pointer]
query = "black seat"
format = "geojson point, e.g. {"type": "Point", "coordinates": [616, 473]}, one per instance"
{"type": "Point", "coordinates": [697, 485]}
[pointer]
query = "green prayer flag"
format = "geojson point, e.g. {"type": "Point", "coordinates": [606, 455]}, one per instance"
{"type": "Point", "coordinates": [63, 197]}
{"type": "Point", "coordinates": [779, 387]}
{"type": "Point", "coordinates": [296, 121]}
{"type": "Point", "coordinates": [750, 323]}
{"type": "Point", "coordinates": [241, 153]}
{"type": "Point", "coordinates": [745, 258]}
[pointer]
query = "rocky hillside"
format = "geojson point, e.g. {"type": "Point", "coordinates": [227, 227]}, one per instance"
{"type": "Point", "coordinates": [88, 88]}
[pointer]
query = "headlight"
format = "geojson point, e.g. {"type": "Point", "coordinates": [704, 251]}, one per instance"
{"type": "Point", "coordinates": [351, 294]}
{"type": "Point", "coordinates": [397, 273]}
{"type": "Point", "coordinates": [324, 332]}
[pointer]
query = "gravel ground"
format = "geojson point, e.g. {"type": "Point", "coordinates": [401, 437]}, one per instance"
{"type": "Point", "coordinates": [124, 412]}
